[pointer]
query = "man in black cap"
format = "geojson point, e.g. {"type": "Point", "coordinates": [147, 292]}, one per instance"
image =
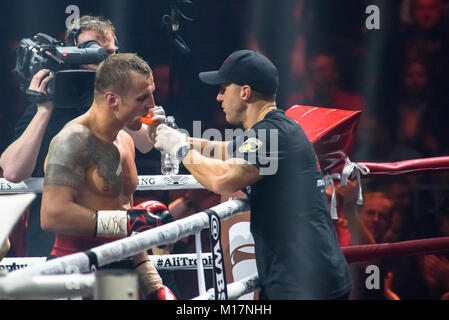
{"type": "Point", "coordinates": [297, 251]}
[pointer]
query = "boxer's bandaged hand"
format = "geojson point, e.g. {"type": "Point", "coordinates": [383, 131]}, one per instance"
{"type": "Point", "coordinates": [120, 223]}
{"type": "Point", "coordinates": [149, 278]}
{"type": "Point", "coordinates": [111, 223]}
{"type": "Point", "coordinates": [170, 140]}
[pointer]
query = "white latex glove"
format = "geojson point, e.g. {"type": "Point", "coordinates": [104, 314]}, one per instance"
{"type": "Point", "coordinates": [170, 140]}
{"type": "Point", "coordinates": [159, 116]}
{"type": "Point", "coordinates": [144, 138]}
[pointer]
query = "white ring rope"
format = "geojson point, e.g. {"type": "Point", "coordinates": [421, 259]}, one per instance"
{"type": "Point", "coordinates": [144, 183]}
{"type": "Point", "coordinates": [235, 289]}
{"type": "Point", "coordinates": [52, 287]}
{"type": "Point", "coordinates": [81, 285]}
{"type": "Point", "coordinates": [123, 248]}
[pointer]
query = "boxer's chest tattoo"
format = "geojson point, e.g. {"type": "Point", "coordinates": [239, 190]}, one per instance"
{"type": "Point", "coordinates": [105, 158]}
{"type": "Point", "coordinates": [77, 157]}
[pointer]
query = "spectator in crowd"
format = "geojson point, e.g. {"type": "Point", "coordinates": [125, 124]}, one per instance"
{"type": "Point", "coordinates": [322, 87]}
{"type": "Point", "coordinates": [400, 189]}
{"type": "Point", "coordinates": [435, 267]}
{"type": "Point", "coordinates": [297, 70]}
{"type": "Point", "coordinates": [426, 38]}
{"type": "Point", "coordinates": [417, 113]}
{"type": "Point", "coordinates": [367, 224]}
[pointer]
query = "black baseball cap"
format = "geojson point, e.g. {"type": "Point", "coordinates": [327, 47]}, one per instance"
{"type": "Point", "coordinates": [245, 67]}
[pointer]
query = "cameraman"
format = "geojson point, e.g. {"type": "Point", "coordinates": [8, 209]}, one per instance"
{"type": "Point", "coordinates": [40, 123]}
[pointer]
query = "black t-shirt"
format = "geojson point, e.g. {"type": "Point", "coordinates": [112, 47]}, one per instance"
{"type": "Point", "coordinates": [39, 242]}
{"type": "Point", "coordinates": [298, 255]}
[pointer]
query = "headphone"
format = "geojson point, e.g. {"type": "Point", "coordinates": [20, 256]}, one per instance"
{"type": "Point", "coordinates": [75, 32]}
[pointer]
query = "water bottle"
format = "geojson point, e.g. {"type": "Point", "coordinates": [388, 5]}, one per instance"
{"type": "Point", "coordinates": [169, 164]}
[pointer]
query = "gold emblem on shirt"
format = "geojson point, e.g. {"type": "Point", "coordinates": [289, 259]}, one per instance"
{"type": "Point", "coordinates": [250, 145]}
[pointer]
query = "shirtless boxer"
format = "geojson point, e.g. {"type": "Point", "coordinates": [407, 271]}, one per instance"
{"type": "Point", "coordinates": [90, 173]}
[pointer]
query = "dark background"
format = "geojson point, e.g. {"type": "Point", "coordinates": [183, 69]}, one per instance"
{"type": "Point", "coordinates": [220, 28]}
{"type": "Point", "coordinates": [370, 62]}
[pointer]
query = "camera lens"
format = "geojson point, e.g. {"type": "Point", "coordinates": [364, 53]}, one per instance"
{"type": "Point", "coordinates": [76, 89]}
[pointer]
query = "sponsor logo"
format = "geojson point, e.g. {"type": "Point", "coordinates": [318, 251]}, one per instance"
{"type": "Point", "coordinates": [219, 273]}
{"type": "Point", "coordinates": [171, 262]}
{"type": "Point", "coordinates": [242, 253]}
{"type": "Point", "coordinates": [175, 180]}
{"type": "Point", "coordinates": [13, 266]}
{"type": "Point", "coordinates": [221, 292]}
{"type": "Point", "coordinates": [215, 228]}
{"type": "Point", "coordinates": [320, 183]}
{"type": "Point", "coordinates": [5, 186]}
{"type": "Point", "coordinates": [143, 181]}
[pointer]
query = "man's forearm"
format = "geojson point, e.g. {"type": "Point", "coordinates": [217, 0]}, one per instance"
{"type": "Point", "coordinates": [19, 159]}
{"type": "Point", "coordinates": [205, 170]}
{"type": "Point", "coordinates": [218, 176]}
{"type": "Point", "coordinates": [210, 149]}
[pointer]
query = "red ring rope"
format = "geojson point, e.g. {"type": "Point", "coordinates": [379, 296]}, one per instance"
{"type": "Point", "coordinates": [425, 165]}
{"type": "Point", "coordinates": [383, 250]}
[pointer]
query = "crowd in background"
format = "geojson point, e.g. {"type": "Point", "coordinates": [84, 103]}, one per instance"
{"type": "Point", "coordinates": [397, 75]}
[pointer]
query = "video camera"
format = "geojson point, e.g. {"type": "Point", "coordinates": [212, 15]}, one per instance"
{"type": "Point", "coordinates": [70, 87]}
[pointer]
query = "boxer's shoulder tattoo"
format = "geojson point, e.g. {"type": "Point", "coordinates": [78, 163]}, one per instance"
{"type": "Point", "coordinates": [73, 151]}
{"type": "Point", "coordinates": [67, 157]}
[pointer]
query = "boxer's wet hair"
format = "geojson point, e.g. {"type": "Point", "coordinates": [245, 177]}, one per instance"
{"type": "Point", "coordinates": [114, 73]}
